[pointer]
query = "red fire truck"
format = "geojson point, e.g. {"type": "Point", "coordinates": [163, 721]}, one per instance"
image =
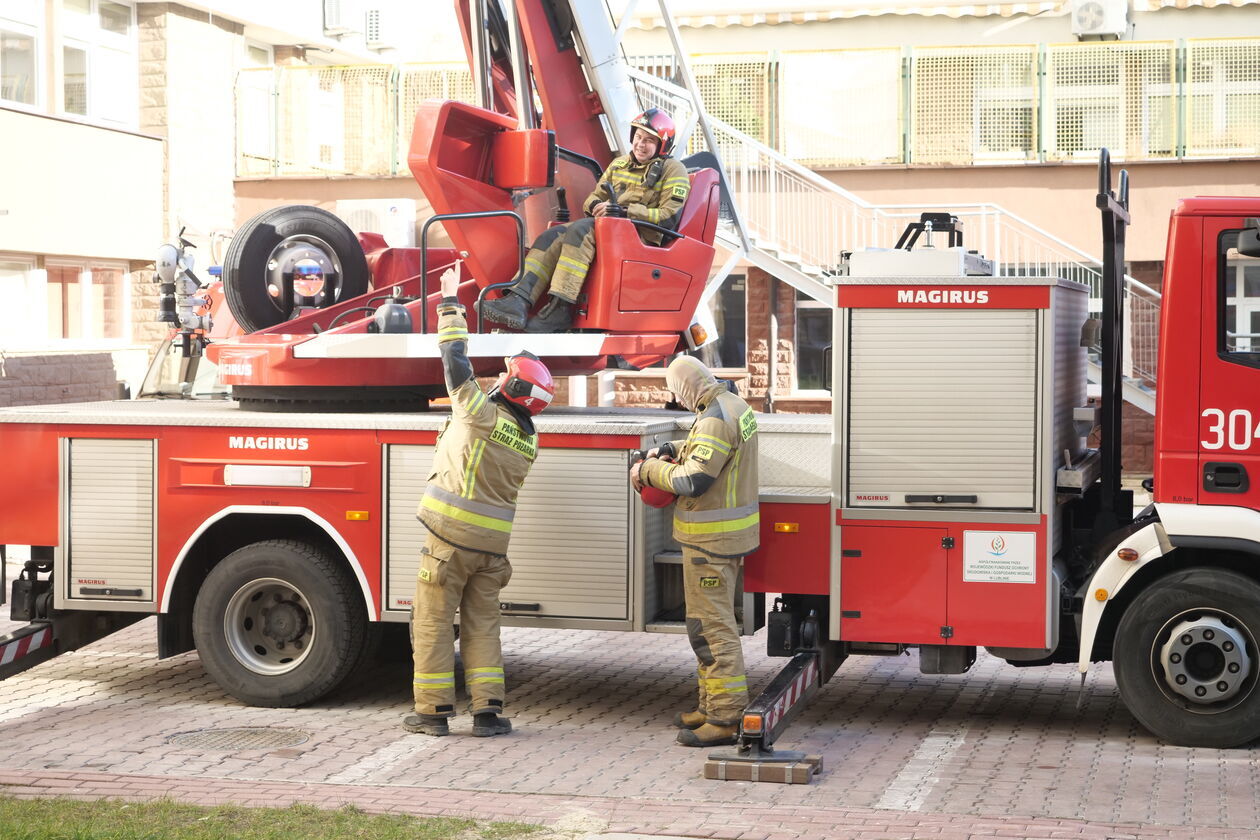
{"type": "Point", "coordinates": [949, 502]}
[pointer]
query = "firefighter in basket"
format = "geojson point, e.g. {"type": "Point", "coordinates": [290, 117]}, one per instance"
{"type": "Point", "coordinates": [482, 457]}
{"type": "Point", "coordinates": [646, 184]}
{"type": "Point", "coordinates": [717, 523]}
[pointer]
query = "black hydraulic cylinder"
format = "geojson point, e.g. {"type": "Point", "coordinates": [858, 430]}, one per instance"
{"type": "Point", "coordinates": [1115, 219]}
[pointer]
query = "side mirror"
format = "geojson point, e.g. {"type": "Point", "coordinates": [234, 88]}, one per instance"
{"type": "Point", "coordinates": [1249, 239]}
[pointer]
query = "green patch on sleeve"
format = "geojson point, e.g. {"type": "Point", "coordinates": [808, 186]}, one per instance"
{"type": "Point", "coordinates": [747, 424]}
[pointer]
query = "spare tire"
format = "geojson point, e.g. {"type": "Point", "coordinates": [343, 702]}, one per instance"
{"type": "Point", "coordinates": [272, 245]}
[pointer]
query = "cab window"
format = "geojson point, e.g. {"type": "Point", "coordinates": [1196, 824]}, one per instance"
{"type": "Point", "coordinates": [1238, 331]}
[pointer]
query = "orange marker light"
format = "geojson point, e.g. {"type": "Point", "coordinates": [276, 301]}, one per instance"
{"type": "Point", "coordinates": [1127, 554]}
{"type": "Point", "coordinates": [699, 334]}
{"type": "Point", "coordinates": [358, 515]}
{"type": "Point", "coordinates": [1100, 594]}
{"type": "Point", "coordinates": [752, 724]}
{"type": "Point", "coordinates": [787, 527]}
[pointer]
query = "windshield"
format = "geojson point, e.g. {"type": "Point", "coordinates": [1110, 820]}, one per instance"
{"type": "Point", "coordinates": [171, 376]}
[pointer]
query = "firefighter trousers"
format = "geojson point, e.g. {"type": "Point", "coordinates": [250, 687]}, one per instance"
{"type": "Point", "coordinates": [709, 588]}
{"type": "Point", "coordinates": [453, 578]}
{"type": "Point", "coordinates": [559, 260]}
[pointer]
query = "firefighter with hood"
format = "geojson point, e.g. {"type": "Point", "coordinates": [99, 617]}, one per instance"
{"type": "Point", "coordinates": [483, 455]}
{"type": "Point", "coordinates": [647, 185]}
{"type": "Point", "coordinates": [717, 523]}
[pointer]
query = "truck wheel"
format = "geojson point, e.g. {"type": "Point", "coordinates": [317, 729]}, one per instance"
{"type": "Point", "coordinates": [288, 241]}
{"type": "Point", "coordinates": [279, 623]}
{"type": "Point", "coordinates": [1186, 658]}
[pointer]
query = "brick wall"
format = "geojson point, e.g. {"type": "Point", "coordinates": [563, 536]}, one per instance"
{"type": "Point", "coordinates": [33, 379]}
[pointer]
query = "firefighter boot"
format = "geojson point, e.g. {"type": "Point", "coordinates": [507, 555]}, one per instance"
{"type": "Point", "coordinates": [689, 720]}
{"type": "Point", "coordinates": [709, 735]}
{"type": "Point", "coordinates": [427, 724]}
{"type": "Point", "coordinates": [486, 724]}
{"type": "Point", "coordinates": [555, 316]}
{"type": "Point", "coordinates": [512, 309]}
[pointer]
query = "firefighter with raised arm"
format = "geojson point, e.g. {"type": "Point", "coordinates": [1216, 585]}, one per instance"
{"type": "Point", "coordinates": [717, 522]}
{"type": "Point", "coordinates": [482, 457]}
{"type": "Point", "coordinates": [646, 184]}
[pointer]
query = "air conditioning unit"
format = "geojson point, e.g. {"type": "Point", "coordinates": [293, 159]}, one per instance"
{"type": "Point", "coordinates": [336, 19]}
{"type": "Point", "coordinates": [374, 30]}
{"type": "Point", "coordinates": [393, 218]}
{"type": "Point", "coordinates": [1100, 18]}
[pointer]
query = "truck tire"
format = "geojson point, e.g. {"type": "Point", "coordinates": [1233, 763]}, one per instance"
{"type": "Point", "coordinates": [271, 244]}
{"type": "Point", "coordinates": [1186, 658]}
{"type": "Point", "coordinates": [279, 623]}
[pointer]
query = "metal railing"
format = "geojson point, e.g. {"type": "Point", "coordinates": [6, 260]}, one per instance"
{"type": "Point", "coordinates": [808, 221]}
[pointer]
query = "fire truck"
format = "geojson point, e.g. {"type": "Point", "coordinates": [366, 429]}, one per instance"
{"type": "Point", "coordinates": [950, 502]}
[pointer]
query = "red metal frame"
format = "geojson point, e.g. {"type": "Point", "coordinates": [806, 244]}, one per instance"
{"type": "Point", "coordinates": [799, 561]}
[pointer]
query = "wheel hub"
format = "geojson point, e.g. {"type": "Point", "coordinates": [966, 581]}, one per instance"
{"type": "Point", "coordinates": [308, 261]}
{"type": "Point", "coordinates": [1205, 660]}
{"type": "Point", "coordinates": [285, 622]}
{"type": "Point", "coordinates": [269, 626]}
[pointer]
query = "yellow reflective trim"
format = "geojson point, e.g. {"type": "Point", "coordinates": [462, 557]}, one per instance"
{"type": "Point", "coordinates": [471, 680]}
{"type": "Point", "coordinates": [732, 479]}
{"type": "Point", "coordinates": [476, 401]}
{"type": "Point", "coordinates": [483, 670]}
{"type": "Point", "coordinates": [474, 463]}
{"type": "Point", "coordinates": [716, 442]}
{"type": "Point", "coordinates": [721, 527]}
{"type": "Point", "coordinates": [574, 264]}
{"type": "Point", "coordinates": [435, 676]}
{"type": "Point", "coordinates": [452, 335]}
{"type": "Point", "coordinates": [465, 516]}
{"type": "Point", "coordinates": [677, 179]}
{"type": "Point", "coordinates": [533, 262]}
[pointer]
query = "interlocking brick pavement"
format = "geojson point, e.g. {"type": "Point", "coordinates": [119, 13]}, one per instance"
{"type": "Point", "coordinates": [999, 752]}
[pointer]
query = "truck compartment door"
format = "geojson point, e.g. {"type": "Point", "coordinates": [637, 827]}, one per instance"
{"type": "Point", "coordinates": [892, 584]}
{"type": "Point", "coordinates": [108, 546]}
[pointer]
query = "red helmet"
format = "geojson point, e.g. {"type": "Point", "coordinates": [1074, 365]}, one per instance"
{"type": "Point", "coordinates": [660, 125]}
{"type": "Point", "coordinates": [526, 382]}
{"type": "Point", "coordinates": [656, 497]}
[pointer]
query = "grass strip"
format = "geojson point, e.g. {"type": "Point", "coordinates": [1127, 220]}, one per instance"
{"type": "Point", "coordinates": [106, 819]}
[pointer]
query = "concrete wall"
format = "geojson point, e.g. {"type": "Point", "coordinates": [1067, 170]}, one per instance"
{"type": "Point", "coordinates": [77, 190]}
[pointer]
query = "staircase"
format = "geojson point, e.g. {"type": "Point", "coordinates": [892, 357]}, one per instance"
{"type": "Point", "coordinates": [795, 224]}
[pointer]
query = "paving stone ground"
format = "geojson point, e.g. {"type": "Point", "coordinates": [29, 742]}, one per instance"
{"type": "Point", "coordinates": [998, 752]}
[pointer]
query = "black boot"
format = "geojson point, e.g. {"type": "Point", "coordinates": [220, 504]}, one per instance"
{"type": "Point", "coordinates": [555, 316]}
{"type": "Point", "coordinates": [510, 310]}
{"type": "Point", "coordinates": [486, 724]}
{"type": "Point", "coordinates": [427, 724]}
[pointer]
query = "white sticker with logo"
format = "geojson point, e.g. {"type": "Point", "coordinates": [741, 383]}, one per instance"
{"type": "Point", "coordinates": [999, 557]}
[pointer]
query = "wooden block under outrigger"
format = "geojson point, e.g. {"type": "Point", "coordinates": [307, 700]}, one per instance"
{"type": "Point", "coordinates": [800, 771]}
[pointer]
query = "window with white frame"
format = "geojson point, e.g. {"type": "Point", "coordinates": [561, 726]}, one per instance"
{"type": "Point", "coordinates": [66, 303]}
{"type": "Point", "coordinates": [813, 344]}
{"type": "Point", "coordinates": [20, 44]}
{"type": "Point", "coordinates": [99, 55]}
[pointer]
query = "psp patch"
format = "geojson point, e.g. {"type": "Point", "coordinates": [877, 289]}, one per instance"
{"type": "Point", "coordinates": [680, 192]}
{"type": "Point", "coordinates": [702, 453]}
{"type": "Point", "coordinates": [426, 575]}
{"type": "Point", "coordinates": [710, 582]}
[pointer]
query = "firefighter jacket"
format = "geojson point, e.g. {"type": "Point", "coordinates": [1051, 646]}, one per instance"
{"type": "Point", "coordinates": [651, 192]}
{"type": "Point", "coordinates": [715, 475]}
{"type": "Point", "coordinates": [483, 453]}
